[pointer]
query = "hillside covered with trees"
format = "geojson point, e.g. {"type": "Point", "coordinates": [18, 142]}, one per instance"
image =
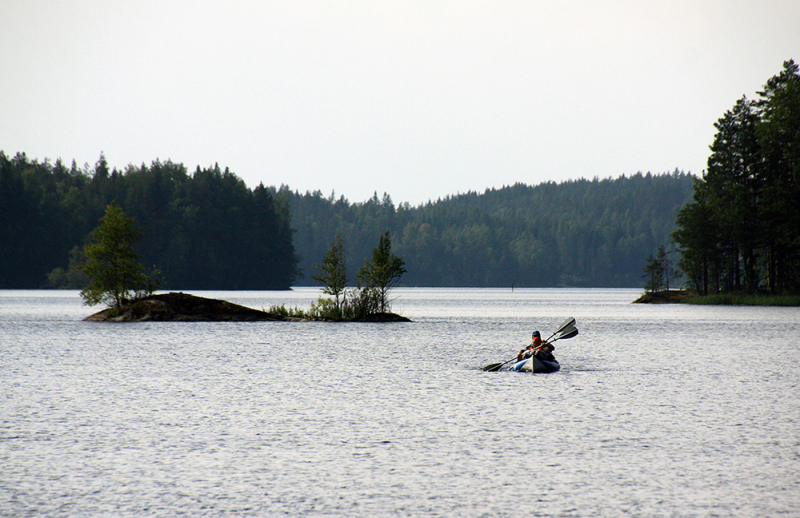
{"type": "Point", "coordinates": [737, 226]}
{"type": "Point", "coordinates": [204, 230]}
{"type": "Point", "coordinates": [208, 230]}
{"type": "Point", "coordinates": [577, 233]}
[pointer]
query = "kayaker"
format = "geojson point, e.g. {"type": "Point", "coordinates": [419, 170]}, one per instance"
{"type": "Point", "coordinates": [545, 352]}
{"type": "Point", "coordinates": [536, 342]}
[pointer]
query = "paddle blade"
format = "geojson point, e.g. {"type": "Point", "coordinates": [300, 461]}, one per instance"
{"type": "Point", "coordinates": [569, 333]}
{"type": "Point", "coordinates": [570, 322]}
{"type": "Point", "coordinates": [567, 330]}
{"type": "Point", "coordinates": [496, 366]}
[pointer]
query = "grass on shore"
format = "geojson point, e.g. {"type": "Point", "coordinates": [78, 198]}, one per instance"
{"type": "Point", "coordinates": [326, 309]}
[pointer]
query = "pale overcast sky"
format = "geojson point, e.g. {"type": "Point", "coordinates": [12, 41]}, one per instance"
{"type": "Point", "coordinates": [418, 99]}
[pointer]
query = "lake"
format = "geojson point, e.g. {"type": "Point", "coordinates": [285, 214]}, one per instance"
{"type": "Point", "coordinates": [658, 410]}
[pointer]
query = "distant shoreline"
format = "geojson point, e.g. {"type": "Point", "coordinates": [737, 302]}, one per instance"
{"type": "Point", "coordinates": [719, 299]}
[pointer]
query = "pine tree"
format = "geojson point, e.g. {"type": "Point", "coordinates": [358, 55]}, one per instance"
{"type": "Point", "coordinates": [333, 272]}
{"type": "Point", "coordinates": [779, 138]}
{"type": "Point", "coordinates": [112, 264]}
{"type": "Point", "coordinates": [382, 273]}
{"type": "Point", "coordinates": [733, 184]}
{"type": "Point", "coordinates": [654, 274]}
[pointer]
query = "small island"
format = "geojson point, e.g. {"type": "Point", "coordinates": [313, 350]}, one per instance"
{"type": "Point", "coordinates": [182, 307]}
{"type": "Point", "coordinates": [116, 277]}
{"type": "Point", "coordinates": [718, 299]}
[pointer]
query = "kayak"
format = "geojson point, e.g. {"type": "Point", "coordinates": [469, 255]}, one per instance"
{"type": "Point", "coordinates": [535, 365]}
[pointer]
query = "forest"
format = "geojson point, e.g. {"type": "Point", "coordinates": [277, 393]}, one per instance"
{"type": "Point", "coordinates": [204, 230]}
{"type": "Point", "coordinates": [582, 233]}
{"type": "Point", "coordinates": [208, 230]}
{"type": "Point", "coordinates": [741, 232]}
{"type": "Point", "coordinates": [736, 227]}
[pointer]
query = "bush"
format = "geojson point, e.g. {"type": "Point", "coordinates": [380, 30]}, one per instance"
{"type": "Point", "coordinates": [283, 311]}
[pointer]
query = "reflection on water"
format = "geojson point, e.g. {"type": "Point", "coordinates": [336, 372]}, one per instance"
{"type": "Point", "coordinates": [657, 411]}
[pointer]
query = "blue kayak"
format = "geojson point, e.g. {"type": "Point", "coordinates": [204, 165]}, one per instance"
{"type": "Point", "coordinates": [534, 364]}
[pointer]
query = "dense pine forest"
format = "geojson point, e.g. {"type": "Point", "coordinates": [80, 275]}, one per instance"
{"type": "Point", "coordinates": [736, 227]}
{"type": "Point", "coordinates": [204, 230]}
{"type": "Point", "coordinates": [578, 233]}
{"type": "Point", "coordinates": [741, 233]}
{"type": "Point", "coordinates": [208, 230]}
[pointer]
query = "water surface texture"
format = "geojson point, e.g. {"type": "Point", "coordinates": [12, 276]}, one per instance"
{"type": "Point", "coordinates": [657, 410]}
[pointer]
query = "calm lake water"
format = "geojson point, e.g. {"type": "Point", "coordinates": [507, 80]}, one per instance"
{"type": "Point", "coordinates": [657, 410]}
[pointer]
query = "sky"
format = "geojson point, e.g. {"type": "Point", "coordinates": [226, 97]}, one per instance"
{"type": "Point", "coordinates": [417, 99]}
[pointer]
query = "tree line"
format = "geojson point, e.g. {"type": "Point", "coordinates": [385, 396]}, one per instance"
{"type": "Point", "coordinates": [204, 230]}
{"type": "Point", "coordinates": [581, 233]}
{"type": "Point", "coordinates": [741, 232]}
{"type": "Point", "coordinates": [207, 230]}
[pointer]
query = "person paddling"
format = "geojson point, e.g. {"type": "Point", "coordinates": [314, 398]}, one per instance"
{"type": "Point", "coordinates": [545, 353]}
{"type": "Point", "coordinates": [536, 343]}
{"type": "Point", "coordinates": [536, 339]}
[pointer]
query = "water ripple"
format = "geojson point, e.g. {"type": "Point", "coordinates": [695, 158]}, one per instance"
{"type": "Point", "coordinates": [657, 411]}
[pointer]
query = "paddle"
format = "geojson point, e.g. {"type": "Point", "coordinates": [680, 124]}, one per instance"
{"type": "Point", "coordinates": [570, 322]}
{"type": "Point", "coordinates": [567, 329]}
{"type": "Point", "coordinates": [567, 334]}
{"type": "Point", "coordinates": [496, 366]}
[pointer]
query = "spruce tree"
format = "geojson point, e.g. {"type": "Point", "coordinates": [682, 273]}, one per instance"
{"type": "Point", "coordinates": [333, 272]}
{"type": "Point", "coordinates": [382, 273]}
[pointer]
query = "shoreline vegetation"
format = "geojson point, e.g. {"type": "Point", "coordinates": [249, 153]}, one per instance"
{"type": "Point", "coordinates": [183, 307]}
{"type": "Point", "coordinates": [718, 299]}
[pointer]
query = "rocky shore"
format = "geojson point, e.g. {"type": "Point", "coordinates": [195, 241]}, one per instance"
{"type": "Point", "coordinates": [663, 297]}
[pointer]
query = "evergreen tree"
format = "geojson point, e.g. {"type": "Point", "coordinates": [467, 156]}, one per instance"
{"type": "Point", "coordinates": [697, 243]}
{"type": "Point", "coordinates": [779, 139]}
{"type": "Point", "coordinates": [112, 264]}
{"type": "Point", "coordinates": [732, 181]}
{"type": "Point", "coordinates": [379, 275]}
{"type": "Point", "coordinates": [744, 226]}
{"type": "Point", "coordinates": [333, 272]}
{"type": "Point", "coordinates": [654, 274]}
